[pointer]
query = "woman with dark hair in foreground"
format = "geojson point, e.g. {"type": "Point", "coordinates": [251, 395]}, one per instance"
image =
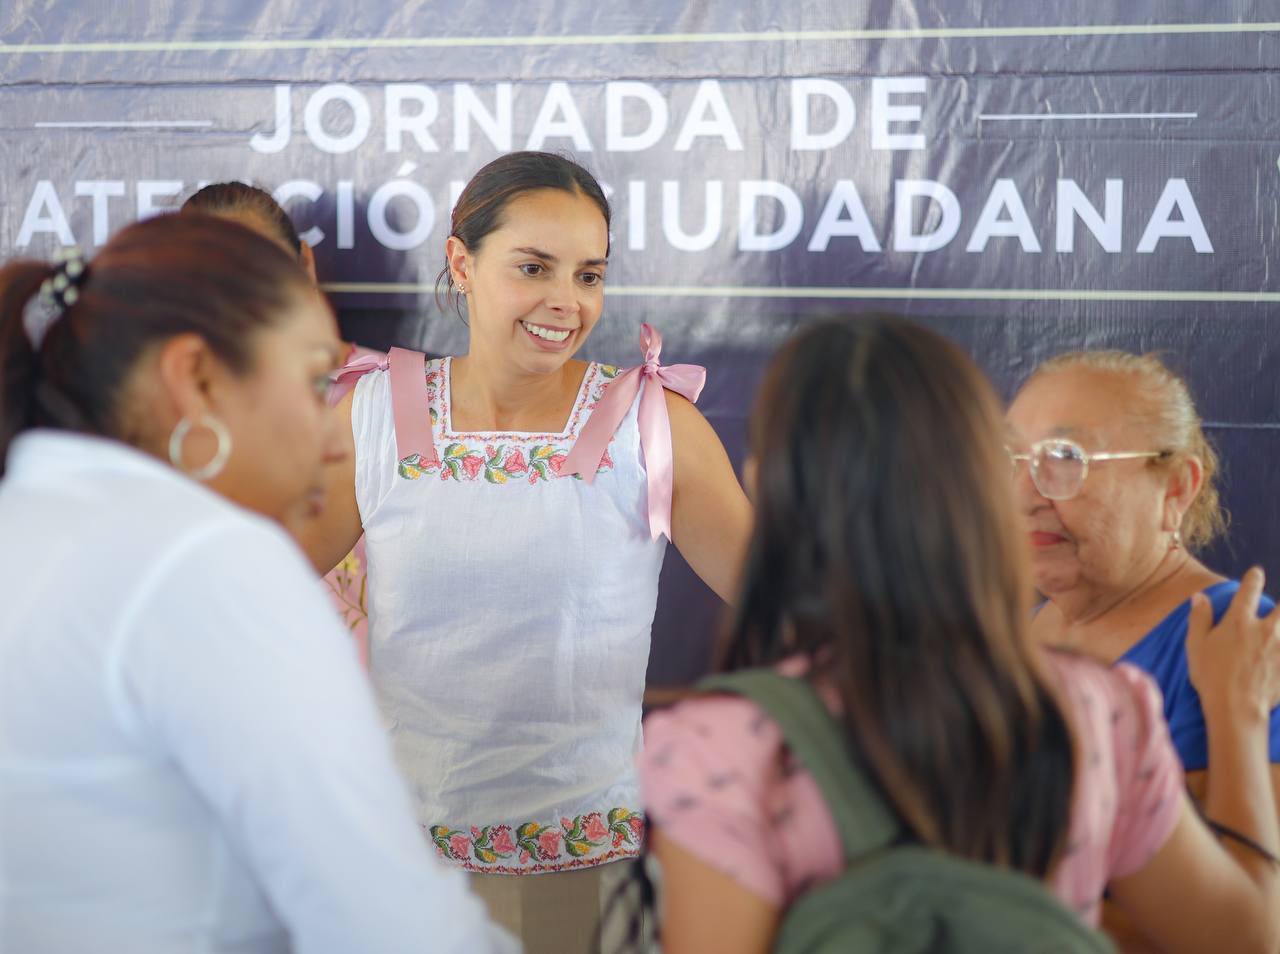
{"type": "Point", "coordinates": [190, 758]}
{"type": "Point", "coordinates": [887, 565]}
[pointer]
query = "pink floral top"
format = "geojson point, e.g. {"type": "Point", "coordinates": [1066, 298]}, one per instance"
{"type": "Point", "coordinates": [347, 589]}
{"type": "Point", "coordinates": [717, 779]}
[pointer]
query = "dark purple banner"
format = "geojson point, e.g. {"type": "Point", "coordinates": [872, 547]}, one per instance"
{"type": "Point", "coordinates": [1026, 180]}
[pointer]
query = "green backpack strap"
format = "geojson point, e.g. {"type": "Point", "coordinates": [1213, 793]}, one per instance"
{"type": "Point", "coordinates": [865, 823]}
{"type": "Point", "coordinates": [909, 899]}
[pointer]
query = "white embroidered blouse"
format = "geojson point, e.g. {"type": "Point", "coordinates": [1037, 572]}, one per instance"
{"type": "Point", "coordinates": [509, 617]}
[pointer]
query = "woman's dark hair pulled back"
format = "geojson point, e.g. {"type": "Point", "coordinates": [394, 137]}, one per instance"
{"type": "Point", "coordinates": [169, 275]}
{"type": "Point", "coordinates": [238, 198]}
{"type": "Point", "coordinates": [485, 199]}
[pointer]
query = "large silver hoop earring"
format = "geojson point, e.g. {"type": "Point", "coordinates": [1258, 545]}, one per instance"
{"type": "Point", "coordinates": [219, 460]}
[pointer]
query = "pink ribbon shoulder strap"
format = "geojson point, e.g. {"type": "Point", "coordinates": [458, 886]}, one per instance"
{"type": "Point", "coordinates": [653, 420]}
{"type": "Point", "coordinates": [410, 404]}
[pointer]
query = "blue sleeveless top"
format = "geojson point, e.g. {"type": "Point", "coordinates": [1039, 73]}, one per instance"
{"type": "Point", "coordinates": [1163, 654]}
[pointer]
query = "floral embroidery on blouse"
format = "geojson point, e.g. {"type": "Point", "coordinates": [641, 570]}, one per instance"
{"type": "Point", "coordinates": [434, 380]}
{"type": "Point", "coordinates": [502, 458]}
{"type": "Point", "coordinates": [497, 464]}
{"type": "Point", "coordinates": [584, 840]}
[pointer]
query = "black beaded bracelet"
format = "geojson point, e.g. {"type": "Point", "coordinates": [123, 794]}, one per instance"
{"type": "Point", "coordinates": [1225, 831]}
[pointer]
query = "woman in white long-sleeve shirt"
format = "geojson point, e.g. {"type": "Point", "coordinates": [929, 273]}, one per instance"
{"type": "Point", "coordinates": [189, 757]}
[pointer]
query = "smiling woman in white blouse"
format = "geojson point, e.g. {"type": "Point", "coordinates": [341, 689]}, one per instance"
{"type": "Point", "coordinates": [189, 757]}
{"type": "Point", "coordinates": [516, 504]}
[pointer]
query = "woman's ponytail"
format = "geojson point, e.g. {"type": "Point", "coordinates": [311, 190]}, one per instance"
{"type": "Point", "coordinates": [19, 359]}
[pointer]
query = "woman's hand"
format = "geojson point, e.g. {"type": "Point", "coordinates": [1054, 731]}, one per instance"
{"type": "Point", "coordinates": [1235, 666]}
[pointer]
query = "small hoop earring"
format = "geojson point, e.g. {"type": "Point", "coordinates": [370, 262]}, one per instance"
{"type": "Point", "coordinates": [179, 437]}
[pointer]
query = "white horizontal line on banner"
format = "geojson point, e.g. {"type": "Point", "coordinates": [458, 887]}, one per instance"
{"type": "Point", "coordinates": [897, 294]}
{"type": "Point", "coordinates": [643, 39]}
{"type": "Point", "coordinates": [129, 124]}
{"type": "Point", "coordinates": [1044, 117]}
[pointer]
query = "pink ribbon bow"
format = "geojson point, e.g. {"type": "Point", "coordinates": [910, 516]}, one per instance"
{"type": "Point", "coordinates": [654, 423]}
{"type": "Point", "coordinates": [359, 362]}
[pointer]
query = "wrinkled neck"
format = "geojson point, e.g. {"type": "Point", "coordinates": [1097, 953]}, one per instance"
{"type": "Point", "coordinates": [1083, 610]}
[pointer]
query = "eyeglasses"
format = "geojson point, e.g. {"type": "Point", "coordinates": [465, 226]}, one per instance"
{"type": "Point", "coordinates": [1059, 466]}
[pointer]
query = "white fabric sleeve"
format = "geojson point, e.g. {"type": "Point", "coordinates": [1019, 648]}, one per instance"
{"type": "Point", "coordinates": [234, 666]}
{"type": "Point", "coordinates": [374, 432]}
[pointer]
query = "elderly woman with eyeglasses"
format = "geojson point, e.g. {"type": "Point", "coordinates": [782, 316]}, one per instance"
{"type": "Point", "coordinates": [1115, 482]}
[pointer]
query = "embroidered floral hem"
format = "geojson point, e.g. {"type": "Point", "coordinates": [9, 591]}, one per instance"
{"type": "Point", "coordinates": [534, 848]}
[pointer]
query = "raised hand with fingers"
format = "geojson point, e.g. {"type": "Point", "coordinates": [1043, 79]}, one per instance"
{"type": "Point", "coordinates": [1235, 666]}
